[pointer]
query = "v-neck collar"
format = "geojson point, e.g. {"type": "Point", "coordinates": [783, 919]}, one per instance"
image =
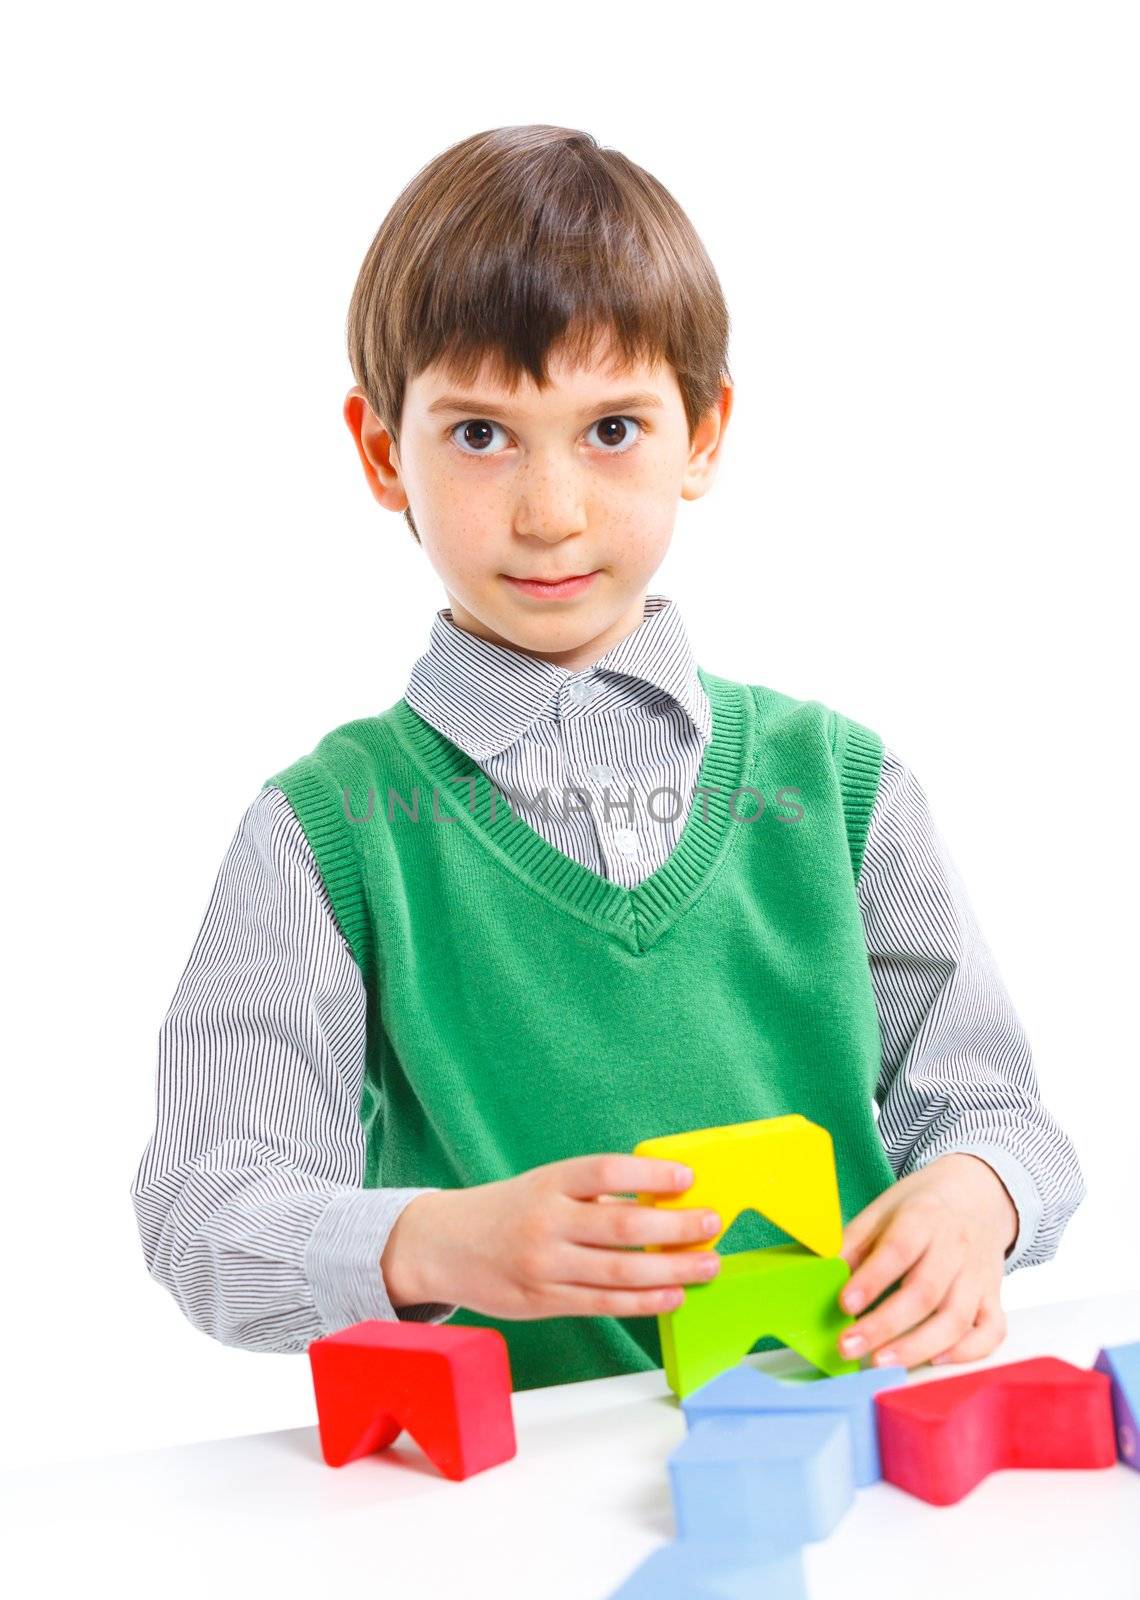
{"type": "Point", "coordinates": [637, 917]}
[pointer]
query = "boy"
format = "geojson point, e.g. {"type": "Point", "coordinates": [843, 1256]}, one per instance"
{"type": "Point", "coordinates": [431, 1009]}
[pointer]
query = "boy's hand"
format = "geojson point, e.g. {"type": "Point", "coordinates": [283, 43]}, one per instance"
{"type": "Point", "coordinates": [946, 1227]}
{"type": "Point", "coordinates": [553, 1242]}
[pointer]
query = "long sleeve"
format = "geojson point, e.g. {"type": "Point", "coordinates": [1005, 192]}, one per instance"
{"type": "Point", "coordinates": [248, 1197]}
{"type": "Point", "coordinates": [957, 1071]}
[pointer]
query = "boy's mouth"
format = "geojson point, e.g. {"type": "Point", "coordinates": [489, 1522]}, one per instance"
{"type": "Point", "coordinates": [559, 589]}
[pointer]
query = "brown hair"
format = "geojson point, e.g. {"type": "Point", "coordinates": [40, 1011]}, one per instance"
{"type": "Point", "coordinates": [521, 239]}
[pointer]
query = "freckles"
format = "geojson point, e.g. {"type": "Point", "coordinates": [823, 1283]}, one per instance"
{"type": "Point", "coordinates": [650, 507]}
{"type": "Point", "coordinates": [629, 535]}
{"type": "Point", "coordinates": [651, 529]}
{"type": "Point", "coordinates": [439, 484]}
{"type": "Point", "coordinates": [635, 512]}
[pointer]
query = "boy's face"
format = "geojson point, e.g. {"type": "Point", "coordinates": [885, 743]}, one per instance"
{"type": "Point", "coordinates": [583, 477]}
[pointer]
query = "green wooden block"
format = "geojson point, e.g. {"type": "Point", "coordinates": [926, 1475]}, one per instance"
{"type": "Point", "coordinates": [786, 1292]}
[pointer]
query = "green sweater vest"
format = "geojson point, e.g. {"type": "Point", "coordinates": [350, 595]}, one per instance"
{"type": "Point", "coordinates": [522, 1009]}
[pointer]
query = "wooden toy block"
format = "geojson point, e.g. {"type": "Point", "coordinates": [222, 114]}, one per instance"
{"type": "Point", "coordinates": [1121, 1364]}
{"type": "Point", "coordinates": [788, 1477]}
{"type": "Point", "coordinates": [782, 1167]}
{"type": "Point", "coordinates": [450, 1387]}
{"type": "Point", "coordinates": [744, 1390]}
{"type": "Point", "coordinates": [940, 1438]}
{"type": "Point", "coordinates": [784, 1292]}
{"type": "Point", "coordinates": [693, 1570]}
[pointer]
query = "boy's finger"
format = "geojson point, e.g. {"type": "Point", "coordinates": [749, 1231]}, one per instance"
{"type": "Point", "coordinates": [920, 1296]}
{"type": "Point", "coordinates": [587, 1177]}
{"type": "Point", "coordinates": [949, 1321]}
{"type": "Point", "coordinates": [989, 1330]}
{"type": "Point", "coordinates": [858, 1237]}
{"type": "Point", "coordinates": [862, 1231]}
{"type": "Point", "coordinates": [586, 1265]}
{"type": "Point", "coordinates": [896, 1249]}
{"type": "Point", "coordinates": [615, 1222]}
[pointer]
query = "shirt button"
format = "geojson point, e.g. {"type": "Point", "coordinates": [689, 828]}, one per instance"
{"type": "Point", "coordinates": [583, 689]}
{"type": "Point", "coordinates": [601, 774]}
{"type": "Point", "coordinates": [626, 840]}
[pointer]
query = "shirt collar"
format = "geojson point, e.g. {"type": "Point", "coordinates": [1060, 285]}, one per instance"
{"type": "Point", "coordinates": [484, 696]}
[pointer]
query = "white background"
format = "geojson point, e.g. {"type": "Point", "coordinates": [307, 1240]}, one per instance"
{"type": "Point", "coordinates": [925, 222]}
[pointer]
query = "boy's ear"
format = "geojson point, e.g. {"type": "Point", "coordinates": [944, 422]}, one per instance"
{"type": "Point", "coordinates": [704, 453]}
{"type": "Point", "coordinates": [375, 447]}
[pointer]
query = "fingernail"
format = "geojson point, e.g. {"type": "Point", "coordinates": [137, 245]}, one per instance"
{"type": "Point", "coordinates": [853, 1344]}
{"type": "Point", "coordinates": [684, 1176]}
{"type": "Point", "coordinates": [711, 1223]}
{"type": "Point", "coordinates": [886, 1358]}
{"type": "Point", "coordinates": [854, 1300]}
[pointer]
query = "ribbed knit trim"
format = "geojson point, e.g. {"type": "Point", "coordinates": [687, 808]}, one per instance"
{"type": "Point", "coordinates": [306, 786]}
{"type": "Point", "coordinates": [859, 759]}
{"type": "Point", "coordinates": [638, 916]}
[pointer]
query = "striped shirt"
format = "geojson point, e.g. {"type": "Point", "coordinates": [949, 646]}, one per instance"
{"type": "Point", "coordinates": [248, 1196]}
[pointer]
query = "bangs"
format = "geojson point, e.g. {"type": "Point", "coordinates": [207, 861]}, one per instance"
{"type": "Point", "coordinates": [520, 242]}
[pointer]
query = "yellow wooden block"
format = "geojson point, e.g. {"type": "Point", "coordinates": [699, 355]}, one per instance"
{"type": "Point", "coordinates": [782, 1167]}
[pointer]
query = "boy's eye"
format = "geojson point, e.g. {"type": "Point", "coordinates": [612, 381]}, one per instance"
{"type": "Point", "coordinates": [476, 436]}
{"type": "Point", "coordinates": [615, 434]}
{"type": "Point", "coordinates": [475, 433]}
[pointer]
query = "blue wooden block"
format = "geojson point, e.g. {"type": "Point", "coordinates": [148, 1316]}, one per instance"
{"type": "Point", "coordinates": [784, 1477]}
{"type": "Point", "coordinates": [745, 1389]}
{"type": "Point", "coordinates": [1122, 1364]}
{"type": "Point", "coordinates": [693, 1570]}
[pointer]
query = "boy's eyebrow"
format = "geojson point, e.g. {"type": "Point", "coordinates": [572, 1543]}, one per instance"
{"type": "Point", "coordinates": [481, 408]}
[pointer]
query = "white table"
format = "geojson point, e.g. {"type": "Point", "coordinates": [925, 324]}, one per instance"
{"type": "Point", "coordinates": [582, 1503]}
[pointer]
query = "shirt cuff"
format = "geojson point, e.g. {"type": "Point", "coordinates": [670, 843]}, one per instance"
{"type": "Point", "coordinates": [1023, 1191]}
{"type": "Point", "coordinates": [342, 1261]}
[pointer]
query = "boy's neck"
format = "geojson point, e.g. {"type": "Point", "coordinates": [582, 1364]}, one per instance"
{"type": "Point", "coordinates": [574, 659]}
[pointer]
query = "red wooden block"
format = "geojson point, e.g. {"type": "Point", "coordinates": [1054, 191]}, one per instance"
{"type": "Point", "coordinates": [938, 1439]}
{"type": "Point", "coordinates": [450, 1387]}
